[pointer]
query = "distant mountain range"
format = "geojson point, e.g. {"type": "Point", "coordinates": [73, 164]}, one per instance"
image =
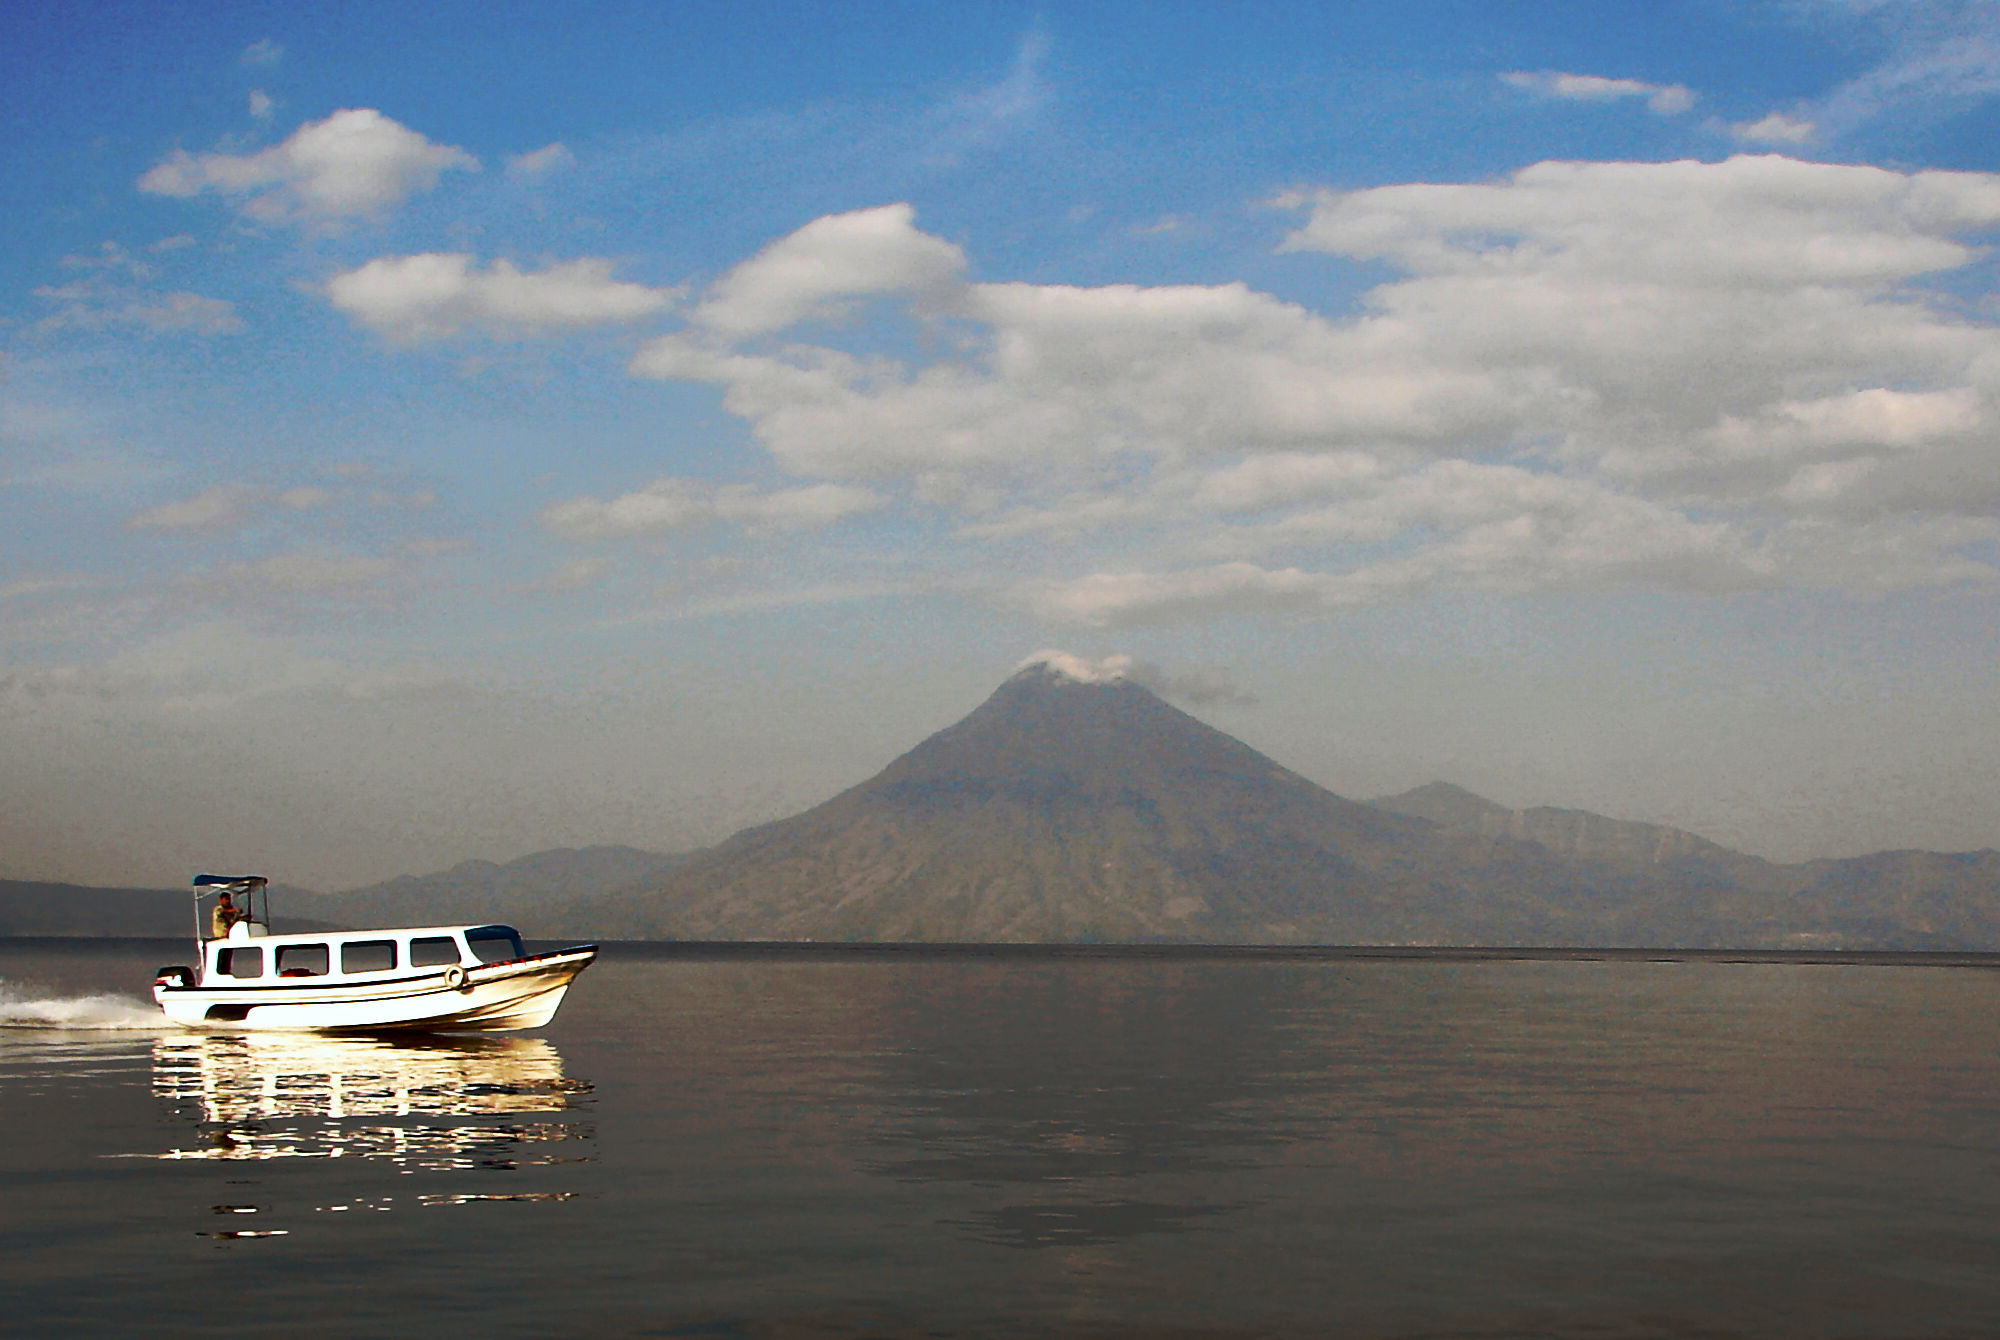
{"type": "Point", "coordinates": [29, 907]}
{"type": "Point", "coordinates": [1576, 835]}
{"type": "Point", "coordinates": [1064, 810]}
{"type": "Point", "coordinates": [540, 890]}
{"type": "Point", "coordinates": [533, 892]}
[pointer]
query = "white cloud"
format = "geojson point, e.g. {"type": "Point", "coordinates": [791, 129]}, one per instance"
{"type": "Point", "coordinates": [223, 507]}
{"type": "Point", "coordinates": [539, 163]}
{"type": "Point", "coordinates": [764, 600]}
{"type": "Point", "coordinates": [109, 256]}
{"type": "Point", "coordinates": [212, 667]}
{"type": "Point", "coordinates": [1777, 128]}
{"type": "Point", "coordinates": [27, 588]}
{"type": "Point", "coordinates": [414, 499]}
{"type": "Point", "coordinates": [1891, 553]}
{"type": "Point", "coordinates": [408, 299]}
{"type": "Point", "coordinates": [94, 305]}
{"type": "Point", "coordinates": [435, 547]}
{"type": "Point", "coordinates": [840, 257]}
{"type": "Point", "coordinates": [978, 119]}
{"type": "Point", "coordinates": [1827, 481]}
{"type": "Point", "coordinates": [1660, 99]}
{"type": "Point", "coordinates": [1197, 688]}
{"type": "Point", "coordinates": [677, 504]}
{"type": "Point", "coordinates": [1497, 528]}
{"type": "Point", "coordinates": [1153, 597]}
{"type": "Point", "coordinates": [1875, 418]}
{"type": "Point", "coordinates": [1071, 373]}
{"type": "Point", "coordinates": [1083, 669]}
{"type": "Point", "coordinates": [1943, 58]}
{"type": "Point", "coordinates": [574, 575]}
{"type": "Point", "coordinates": [1067, 517]}
{"type": "Point", "coordinates": [1285, 478]}
{"type": "Point", "coordinates": [261, 105]}
{"type": "Point", "coordinates": [307, 573]}
{"type": "Point", "coordinates": [1768, 221]}
{"type": "Point", "coordinates": [356, 163]}
{"type": "Point", "coordinates": [182, 311]}
{"type": "Point", "coordinates": [1201, 687]}
{"type": "Point", "coordinates": [262, 52]}
{"type": "Point", "coordinates": [1671, 375]}
{"type": "Point", "coordinates": [227, 507]}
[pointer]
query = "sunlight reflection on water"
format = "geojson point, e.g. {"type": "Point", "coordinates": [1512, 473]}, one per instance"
{"type": "Point", "coordinates": [269, 1096]}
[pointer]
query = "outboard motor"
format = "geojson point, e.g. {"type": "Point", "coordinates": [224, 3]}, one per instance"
{"type": "Point", "coordinates": [176, 977]}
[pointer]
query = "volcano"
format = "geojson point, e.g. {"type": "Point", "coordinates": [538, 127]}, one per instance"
{"type": "Point", "coordinates": [1089, 809]}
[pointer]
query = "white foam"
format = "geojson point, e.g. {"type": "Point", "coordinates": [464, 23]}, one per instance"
{"type": "Point", "coordinates": [80, 1013]}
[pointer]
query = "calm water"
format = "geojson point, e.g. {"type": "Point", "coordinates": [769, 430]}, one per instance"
{"type": "Point", "coordinates": [925, 1145]}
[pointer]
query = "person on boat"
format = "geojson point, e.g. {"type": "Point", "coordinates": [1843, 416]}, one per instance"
{"type": "Point", "coordinates": [226, 914]}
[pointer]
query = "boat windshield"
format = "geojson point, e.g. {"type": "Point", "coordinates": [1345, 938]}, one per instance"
{"type": "Point", "coordinates": [495, 944]}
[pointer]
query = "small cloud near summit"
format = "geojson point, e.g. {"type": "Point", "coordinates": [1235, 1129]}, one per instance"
{"type": "Point", "coordinates": [1082, 669]}
{"type": "Point", "coordinates": [1197, 689]}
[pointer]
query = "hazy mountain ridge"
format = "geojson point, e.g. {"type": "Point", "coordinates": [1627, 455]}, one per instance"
{"type": "Point", "coordinates": [1580, 835]}
{"type": "Point", "coordinates": [37, 907]}
{"type": "Point", "coordinates": [1070, 810]}
{"type": "Point", "coordinates": [1063, 810]}
{"type": "Point", "coordinates": [1948, 898]}
{"type": "Point", "coordinates": [531, 891]}
{"type": "Point", "coordinates": [535, 891]}
{"type": "Point", "coordinates": [1908, 899]}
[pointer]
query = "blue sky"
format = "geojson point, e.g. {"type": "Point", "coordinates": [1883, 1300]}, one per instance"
{"type": "Point", "coordinates": [459, 430]}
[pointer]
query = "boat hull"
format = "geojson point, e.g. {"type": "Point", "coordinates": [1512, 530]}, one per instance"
{"type": "Point", "coordinates": [491, 997]}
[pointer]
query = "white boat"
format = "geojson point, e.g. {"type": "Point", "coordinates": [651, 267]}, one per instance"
{"type": "Point", "coordinates": [426, 978]}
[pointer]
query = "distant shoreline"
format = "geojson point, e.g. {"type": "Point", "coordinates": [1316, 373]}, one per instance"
{"type": "Point", "coordinates": [1969, 958]}
{"type": "Point", "coordinates": [828, 949]}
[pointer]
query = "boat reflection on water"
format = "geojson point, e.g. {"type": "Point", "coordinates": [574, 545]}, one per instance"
{"type": "Point", "coordinates": [420, 1103]}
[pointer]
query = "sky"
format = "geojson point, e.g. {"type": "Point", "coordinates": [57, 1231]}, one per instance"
{"type": "Point", "coordinates": [455, 431]}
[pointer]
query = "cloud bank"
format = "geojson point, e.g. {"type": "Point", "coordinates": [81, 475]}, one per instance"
{"type": "Point", "coordinates": [1693, 376]}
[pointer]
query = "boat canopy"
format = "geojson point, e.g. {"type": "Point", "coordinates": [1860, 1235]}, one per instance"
{"type": "Point", "coordinates": [227, 883]}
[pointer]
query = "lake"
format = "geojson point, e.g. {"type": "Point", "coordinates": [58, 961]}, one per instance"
{"type": "Point", "coordinates": [821, 1143]}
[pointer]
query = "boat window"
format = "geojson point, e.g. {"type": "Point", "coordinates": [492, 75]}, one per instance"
{"type": "Point", "coordinates": [430, 950]}
{"type": "Point", "coordinates": [240, 962]}
{"type": "Point", "coordinates": [368, 956]}
{"type": "Point", "coordinates": [495, 944]}
{"type": "Point", "coordinates": [302, 960]}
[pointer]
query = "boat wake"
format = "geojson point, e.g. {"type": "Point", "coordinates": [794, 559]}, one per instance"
{"type": "Point", "coordinates": [107, 1013]}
